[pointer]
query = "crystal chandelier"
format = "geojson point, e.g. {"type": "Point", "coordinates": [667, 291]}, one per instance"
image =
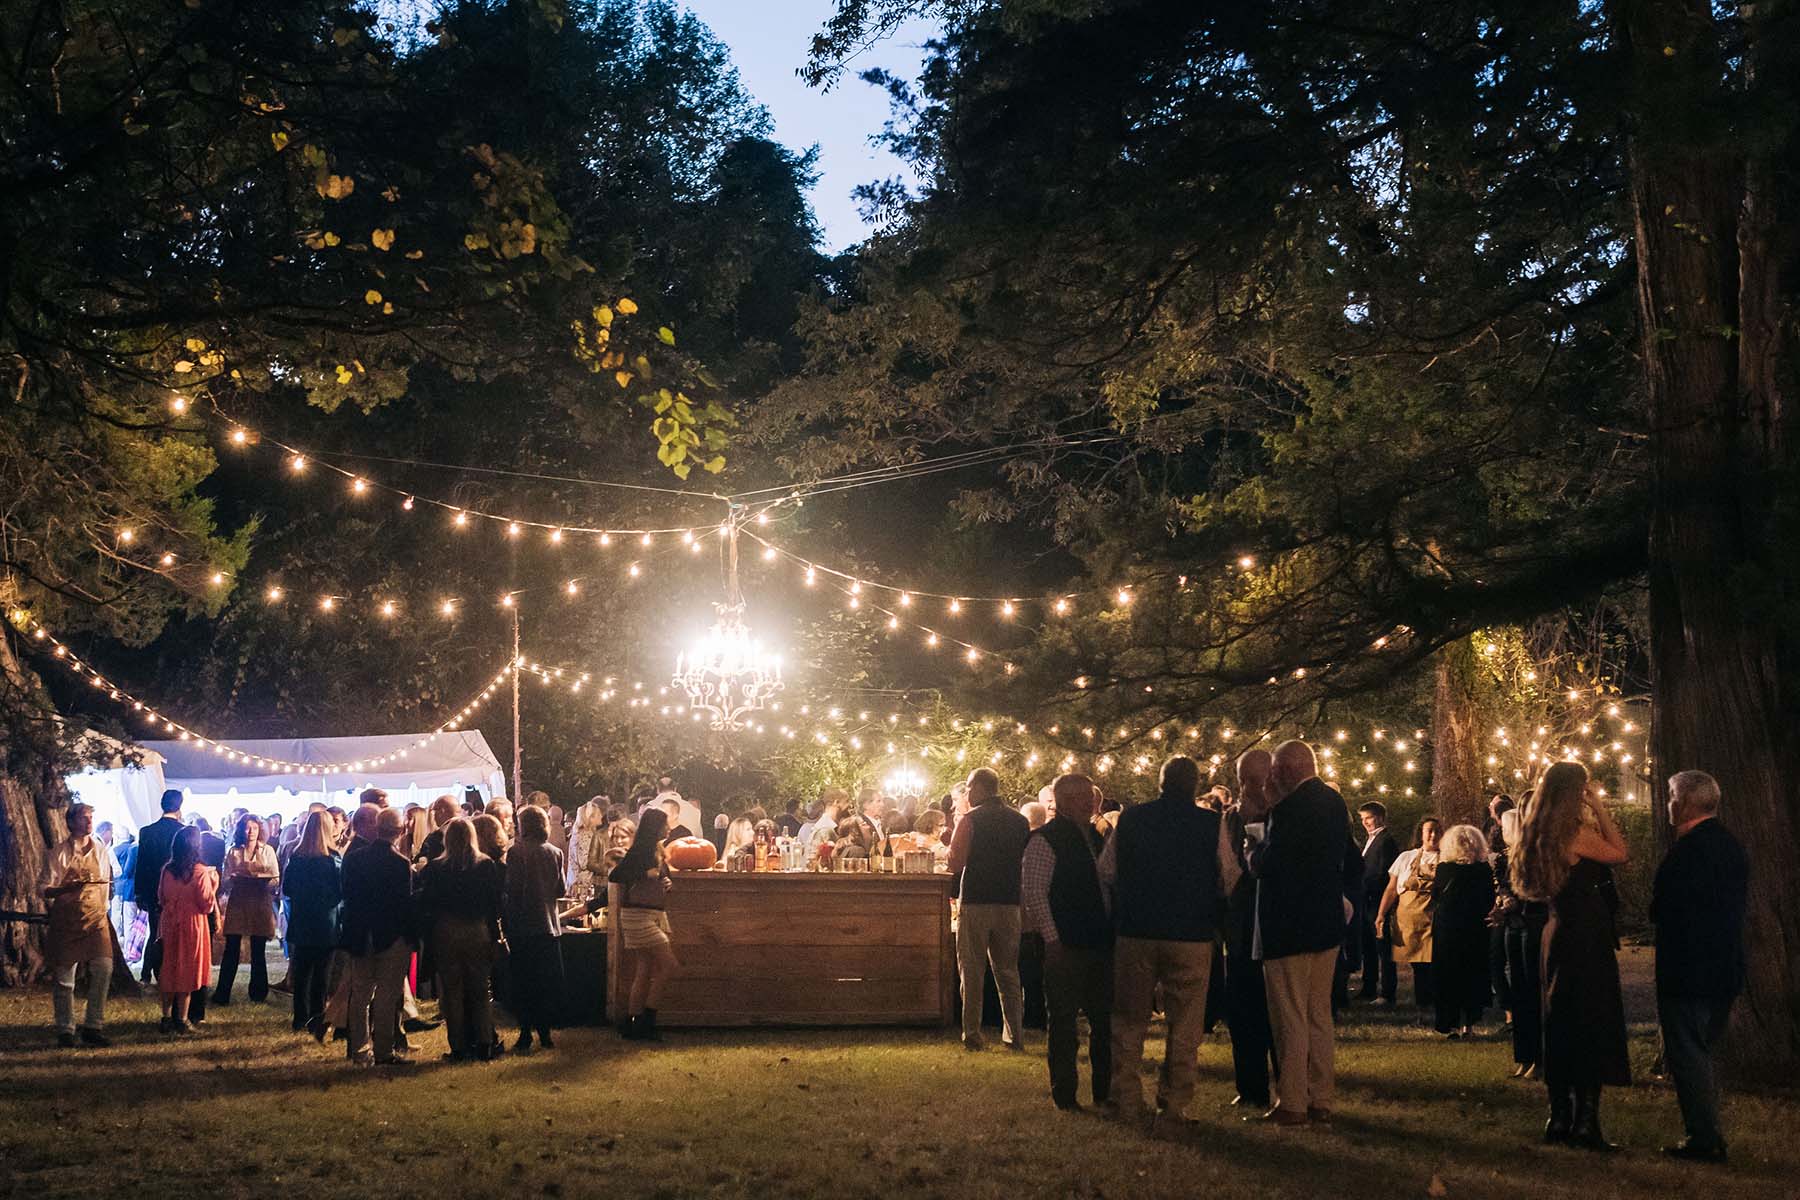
{"type": "Point", "coordinates": [727, 673]}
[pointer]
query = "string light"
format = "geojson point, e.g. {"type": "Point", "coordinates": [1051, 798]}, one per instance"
{"type": "Point", "coordinates": [159, 722]}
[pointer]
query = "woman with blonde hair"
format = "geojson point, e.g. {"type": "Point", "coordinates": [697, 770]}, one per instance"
{"type": "Point", "coordinates": [739, 835]}
{"type": "Point", "coordinates": [1568, 846]}
{"type": "Point", "coordinates": [315, 894]}
{"type": "Point", "coordinates": [460, 897]}
{"type": "Point", "coordinates": [1462, 897]}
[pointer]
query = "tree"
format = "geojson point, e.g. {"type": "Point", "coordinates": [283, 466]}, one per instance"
{"type": "Point", "coordinates": [1441, 316]}
{"type": "Point", "coordinates": [221, 213]}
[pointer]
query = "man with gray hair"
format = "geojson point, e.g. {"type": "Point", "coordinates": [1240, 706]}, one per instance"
{"type": "Point", "coordinates": [985, 856]}
{"type": "Point", "coordinates": [1697, 903]}
{"type": "Point", "coordinates": [1300, 866]}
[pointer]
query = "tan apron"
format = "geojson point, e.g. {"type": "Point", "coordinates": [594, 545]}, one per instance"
{"type": "Point", "coordinates": [1412, 916]}
{"type": "Point", "coordinates": [79, 929]}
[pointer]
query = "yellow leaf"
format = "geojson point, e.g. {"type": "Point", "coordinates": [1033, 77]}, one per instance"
{"type": "Point", "coordinates": [714, 465]}
{"type": "Point", "coordinates": [415, 254]}
{"type": "Point", "coordinates": [667, 335]}
{"type": "Point", "coordinates": [279, 139]}
{"type": "Point", "coordinates": [624, 378]}
{"type": "Point", "coordinates": [388, 308]}
{"type": "Point", "coordinates": [382, 239]}
{"type": "Point", "coordinates": [603, 316]}
{"type": "Point", "coordinates": [183, 367]}
{"type": "Point", "coordinates": [357, 363]}
{"type": "Point", "coordinates": [195, 344]}
{"type": "Point", "coordinates": [627, 305]}
{"type": "Point", "coordinates": [371, 297]}
{"type": "Point", "coordinates": [332, 239]}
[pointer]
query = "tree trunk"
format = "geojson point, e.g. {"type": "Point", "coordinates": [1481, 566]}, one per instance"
{"type": "Point", "coordinates": [1718, 663]}
{"type": "Point", "coordinates": [25, 826]}
{"type": "Point", "coordinates": [1457, 776]}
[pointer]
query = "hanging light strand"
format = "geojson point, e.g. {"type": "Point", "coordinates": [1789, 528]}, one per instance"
{"type": "Point", "coordinates": [159, 723]}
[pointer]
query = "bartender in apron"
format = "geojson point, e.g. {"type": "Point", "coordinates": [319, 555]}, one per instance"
{"type": "Point", "coordinates": [78, 887]}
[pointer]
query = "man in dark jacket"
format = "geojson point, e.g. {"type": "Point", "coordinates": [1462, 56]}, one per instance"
{"type": "Point", "coordinates": [1379, 851]}
{"type": "Point", "coordinates": [378, 934]}
{"type": "Point", "coordinates": [1246, 1000]}
{"type": "Point", "coordinates": [154, 842]}
{"type": "Point", "coordinates": [1300, 916]}
{"type": "Point", "coordinates": [1698, 903]}
{"type": "Point", "coordinates": [1060, 891]}
{"type": "Point", "coordinates": [1168, 867]}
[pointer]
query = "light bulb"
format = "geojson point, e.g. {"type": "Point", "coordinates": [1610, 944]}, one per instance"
{"type": "Point", "coordinates": [359, 486]}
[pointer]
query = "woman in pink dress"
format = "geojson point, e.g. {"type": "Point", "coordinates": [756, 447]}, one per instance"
{"type": "Point", "coordinates": [187, 891]}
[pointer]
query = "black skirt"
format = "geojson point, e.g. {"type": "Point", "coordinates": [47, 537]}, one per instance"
{"type": "Point", "coordinates": [1584, 1008]}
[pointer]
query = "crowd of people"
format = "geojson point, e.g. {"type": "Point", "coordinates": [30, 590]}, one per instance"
{"type": "Point", "coordinates": [1258, 908]}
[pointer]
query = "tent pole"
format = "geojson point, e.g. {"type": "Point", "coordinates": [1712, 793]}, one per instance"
{"type": "Point", "coordinates": [518, 795]}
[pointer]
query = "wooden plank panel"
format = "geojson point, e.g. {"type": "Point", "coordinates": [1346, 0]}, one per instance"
{"type": "Point", "coordinates": [851, 997]}
{"type": "Point", "coordinates": [731, 929]}
{"type": "Point", "coordinates": [808, 962]}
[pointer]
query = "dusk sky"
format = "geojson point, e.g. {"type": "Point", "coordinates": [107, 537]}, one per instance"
{"type": "Point", "coordinates": [768, 41]}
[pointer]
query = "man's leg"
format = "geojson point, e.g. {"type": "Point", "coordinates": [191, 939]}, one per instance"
{"type": "Point", "coordinates": [152, 946]}
{"type": "Point", "coordinates": [1248, 1018]}
{"type": "Point", "coordinates": [1062, 998]}
{"type": "Point", "coordinates": [1687, 1048]}
{"type": "Point", "coordinates": [1321, 1048]}
{"type": "Point", "coordinates": [1185, 969]}
{"type": "Point", "coordinates": [971, 967]}
{"type": "Point", "coordinates": [1003, 957]}
{"type": "Point", "coordinates": [1371, 955]}
{"type": "Point", "coordinates": [228, 965]}
{"type": "Point", "coordinates": [361, 994]}
{"type": "Point", "coordinates": [62, 998]}
{"type": "Point", "coordinates": [385, 1002]}
{"type": "Point", "coordinates": [1134, 982]}
{"type": "Point", "coordinates": [100, 972]}
{"type": "Point", "coordinates": [1097, 1000]}
{"type": "Point", "coordinates": [1284, 978]}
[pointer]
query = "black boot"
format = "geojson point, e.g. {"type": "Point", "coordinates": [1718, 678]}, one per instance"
{"type": "Point", "coordinates": [630, 1028]}
{"type": "Point", "coordinates": [1586, 1131]}
{"type": "Point", "coordinates": [647, 1026]}
{"type": "Point", "coordinates": [1562, 1115]}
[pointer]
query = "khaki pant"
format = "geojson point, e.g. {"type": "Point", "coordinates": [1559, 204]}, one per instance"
{"type": "Point", "coordinates": [1182, 968]}
{"type": "Point", "coordinates": [375, 981]}
{"type": "Point", "coordinates": [1300, 1016]}
{"type": "Point", "coordinates": [987, 935]}
{"type": "Point", "coordinates": [62, 994]}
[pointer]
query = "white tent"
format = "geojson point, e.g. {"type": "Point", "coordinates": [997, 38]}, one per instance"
{"type": "Point", "coordinates": [214, 785]}
{"type": "Point", "coordinates": [125, 794]}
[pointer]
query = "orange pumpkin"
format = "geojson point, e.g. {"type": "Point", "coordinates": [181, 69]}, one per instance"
{"type": "Point", "coordinates": [692, 854]}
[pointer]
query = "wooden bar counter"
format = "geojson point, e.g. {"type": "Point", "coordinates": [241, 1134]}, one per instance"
{"type": "Point", "coordinates": [802, 948]}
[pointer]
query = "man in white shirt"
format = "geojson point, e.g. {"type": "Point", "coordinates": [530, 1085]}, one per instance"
{"type": "Point", "coordinates": [77, 884]}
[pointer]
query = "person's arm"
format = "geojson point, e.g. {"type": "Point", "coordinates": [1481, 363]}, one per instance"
{"type": "Point", "coordinates": [50, 881]}
{"type": "Point", "coordinates": [1604, 844]}
{"type": "Point", "coordinates": [1389, 898]}
{"type": "Point", "coordinates": [1229, 871]}
{"type": "Point", "coordinates": [1035, 871]}
{"type": "Point", "coordinates": [1108, 869]}
{"type": "Point", "coordinates": [959, 847]}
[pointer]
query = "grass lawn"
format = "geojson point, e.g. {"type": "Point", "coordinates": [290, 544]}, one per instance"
{"type": "Point", "coordinates": [246, 1108]}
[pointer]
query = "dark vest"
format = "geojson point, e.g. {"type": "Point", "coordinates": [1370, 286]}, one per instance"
{"type": "Point", "coordinates": [1167, 885]}
{"type": "Point", "coordinates": [1076, 904]}
{"type": "Point", "coordinates": [997, 837]}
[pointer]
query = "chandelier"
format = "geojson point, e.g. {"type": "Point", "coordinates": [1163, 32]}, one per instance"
{"type": "Point", "coordinates": [727, 673]}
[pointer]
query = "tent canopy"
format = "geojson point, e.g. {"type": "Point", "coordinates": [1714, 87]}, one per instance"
{"type": "Point", "coordinates": [448, 762]}
{"type": "Point", "coordinates": [124, 794]}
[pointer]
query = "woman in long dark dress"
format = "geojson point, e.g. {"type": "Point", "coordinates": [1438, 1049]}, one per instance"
{"type": "Point", "coordinates": [1462, 897]}
{"type": "Point", "coordinates": [1568, 846]}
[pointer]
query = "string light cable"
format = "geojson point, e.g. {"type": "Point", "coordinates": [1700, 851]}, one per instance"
{"type": "Point", "coordinates": [160, 723]}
